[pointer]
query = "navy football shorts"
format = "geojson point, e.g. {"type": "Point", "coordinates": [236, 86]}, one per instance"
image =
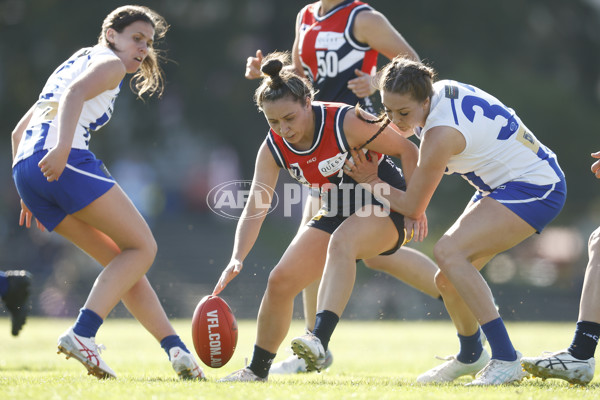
{"type": "Point", "coordinates": [329, 224]}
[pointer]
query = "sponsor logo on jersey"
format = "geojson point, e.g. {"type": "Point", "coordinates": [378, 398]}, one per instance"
{"type": "Point", "coordinates": [330, 40]}
{"type": "Point", "coordinates": [332, 165]}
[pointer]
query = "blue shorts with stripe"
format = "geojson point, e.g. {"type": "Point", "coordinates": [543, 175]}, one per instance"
{"type": "Point", "coordinates": [535, 204]}
{"type": "Point", "coordinates": [84, 179]}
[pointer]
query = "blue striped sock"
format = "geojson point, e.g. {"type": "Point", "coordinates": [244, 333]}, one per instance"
{"type": "Point", "coordinates": [502, 348]}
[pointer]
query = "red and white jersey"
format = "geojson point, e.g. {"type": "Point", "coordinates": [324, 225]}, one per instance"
{"type": "Point", "coordinates": [330, 53]}
{"type": "Point", "coordinates": [322, 163]}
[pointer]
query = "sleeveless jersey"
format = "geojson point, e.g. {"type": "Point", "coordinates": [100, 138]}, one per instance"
{"type": "Point", "coordinates": [499, 147]}
{"type": "Point", "coordinates": [41, 133]}
{"type": "Point", "coordinates": [330, 53]}
{"type": "Point", "coordinates": [322, 163]}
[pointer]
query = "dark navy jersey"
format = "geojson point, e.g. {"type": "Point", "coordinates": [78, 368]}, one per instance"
{"type": "Point", "coordinates": [330, 53]}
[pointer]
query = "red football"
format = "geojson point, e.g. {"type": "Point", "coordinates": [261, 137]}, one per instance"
{"type": "Point", "coordinates": [214, 331]}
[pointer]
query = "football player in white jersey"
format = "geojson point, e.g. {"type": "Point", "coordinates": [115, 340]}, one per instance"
{"type": "Point", "coordinates": [577, 364]}
{"type": "Point", "coordinates": [362, 24]}
{"type": "Point", "coordinates": [520, 189]}
{"type": "Point", "coordinates": [67, 190]}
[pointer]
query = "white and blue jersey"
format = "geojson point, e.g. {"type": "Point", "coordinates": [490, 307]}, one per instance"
{"type": "Point", "coordinates": [502, 158]}
{"type": "Point", "coordinates": [41, 133]}
{"type": "Point", "coordinates": [85, 178]}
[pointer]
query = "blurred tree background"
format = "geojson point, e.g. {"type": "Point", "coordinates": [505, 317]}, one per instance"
{"type": "Point", "coordinates": [542, 58]}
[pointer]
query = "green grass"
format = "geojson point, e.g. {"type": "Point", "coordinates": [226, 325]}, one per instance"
{"type": "Point", "coordinates": [373, 360]}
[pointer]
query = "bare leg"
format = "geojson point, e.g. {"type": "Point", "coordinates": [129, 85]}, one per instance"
{"type": "Point", "coordinates": [309, 293]}
{"type": "Point", "coordinates": [357, 237]}
{"type": "Point", "coordinates": [409, 266]}
{"type": "Point", "coordinates": [481, 232]}
{"type": "Point", "coordinates": [460, 314]}
{"type": "Point", "coordinates": [309, 300]}
{"type": "Point", "coordinates": [286, 280]}
{"type": "Point", "coordinates": [139, 298]}
{"type": "Point", "coordinates": [589, 307]}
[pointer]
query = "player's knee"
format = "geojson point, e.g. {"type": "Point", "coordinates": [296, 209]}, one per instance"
{"type": "Point", "coordinates": [281, 282]}
{"type": "Point", "coordinates": [444, 252]}
{"type": "Point", "coordinates": [148, 249]}
{"type": "Point", "coordinates": [340, 246]}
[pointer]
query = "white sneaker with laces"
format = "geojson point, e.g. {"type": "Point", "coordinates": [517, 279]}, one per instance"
{"type": "Point", "coordinates": [86, 351]}
{"type": "Point", "coordinates": [243, 375]}
{"type": "Point", "coordinates": [561, 365]}
{"type": "Point", "coordinates": [309, 348]}
{"type": "Point", "coordinates": [498, 372]}
{"type": "Point", "coordinates": [184, 364]}
{"type": "Point", "coordinates": [295, 365]}
{"type": "Point", "coordinates": [453, 369]}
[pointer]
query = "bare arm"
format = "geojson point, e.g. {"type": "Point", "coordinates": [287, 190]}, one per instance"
{"type": "Point", "coordinates": [17, 133]}
{"type": "Point", "coordinates": [261, 193]}
{"type": "Point", "coordinates": [596, 165]}
{"type": "Point", "coordinates": [437, 147]}
{"type": "Point", "coordinates": [26, 215]}
{"type": "Point", "coordinates": [373, 28]}
{"type": "Point", "coordinates": [296, 63]}
{"type": "Point", "coordinates": [389, 141]}
{"type": "Point", "coordinates": [104, 75]}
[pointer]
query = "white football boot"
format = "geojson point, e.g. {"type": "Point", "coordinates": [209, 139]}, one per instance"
{"type": "Point", "coordinates": [453, 369]}
{"type": "Point", "coordinates": [184, 364]}
{"type": "Point", "coordinates": [499, 372]}
{"type": "Point", "coordinates": [309, 348]}
{"type": "Point", "coordinates": [243, 375]}
{"type": "Point", "coordinates": [86, 351]}
{"type": "Point", "coordinates": [561, 365]}
{"type": "Point", "coordinates": [295, 365]}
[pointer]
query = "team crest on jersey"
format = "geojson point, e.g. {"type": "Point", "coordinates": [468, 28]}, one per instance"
{"type": "Point", "coordinates": [297, 174]}
{"type": "Point", "coordinates": [332, 165]}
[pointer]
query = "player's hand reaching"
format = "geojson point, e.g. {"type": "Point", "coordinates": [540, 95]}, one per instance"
{"type": "Point", "coordinates": [253, 66]}
{"type": "Point", "coordinates": [361, 168]}
{"type": "Point", "coordinates": [362, 84]}
{"type": "Point", "coordinates": [26, 216]}
{"type": "Point", "coordinates": [231, 271]}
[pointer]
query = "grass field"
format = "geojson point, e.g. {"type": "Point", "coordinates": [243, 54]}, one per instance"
{"type": "Point", "coordinates": [373, 360]}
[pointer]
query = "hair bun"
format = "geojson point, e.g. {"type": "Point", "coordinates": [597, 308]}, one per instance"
{"type": "Point", "coordinates": [272, 68]}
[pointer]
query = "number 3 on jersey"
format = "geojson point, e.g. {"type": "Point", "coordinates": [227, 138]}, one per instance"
{"type": "Point", "coordinates": [492, 111]}
{"type": "Point", "coordinates": [328, 63]}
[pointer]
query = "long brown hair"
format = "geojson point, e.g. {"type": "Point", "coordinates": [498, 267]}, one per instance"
{"type": "Point", "coordinates": [149, 78]}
